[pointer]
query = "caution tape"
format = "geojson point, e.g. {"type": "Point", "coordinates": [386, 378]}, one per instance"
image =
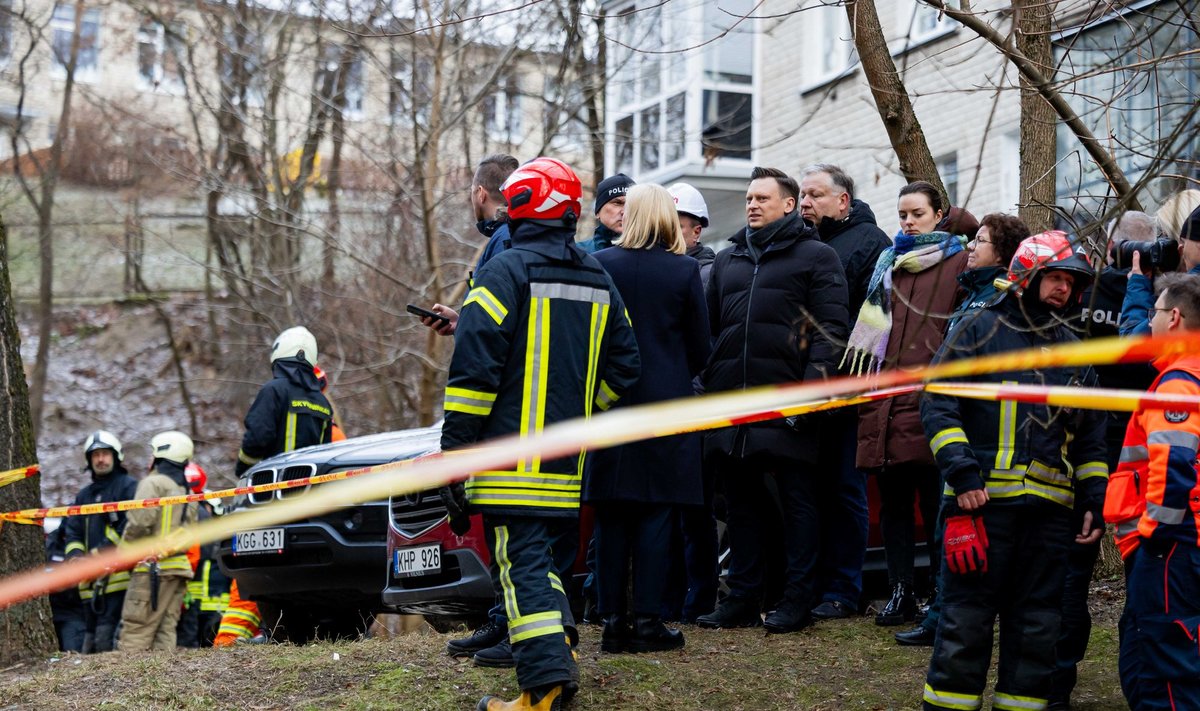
{"type": "Point", "coordinates": [615, 427]}
{"type": "Point", "coordinates": [12, 476]}
{"type": "Point", "coordinates": [1065, 396]}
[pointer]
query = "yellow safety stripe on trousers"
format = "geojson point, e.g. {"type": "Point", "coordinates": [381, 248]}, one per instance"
{"type": "Point", "coordinates": [488, 302]}
{"type": "Point", "coordinates": [947, 436]}
{"type": "Point", "coordinates": [214, 604]}
{"type": "Point", "coordinates": [506, 583]}
{"type": "Point", "coordinates": [605, 397]}
{"type": "Point", "coordinates": [952, 700]}
{"type": "Point", "coordinates": [538, 624]}
{"type": "Point", "coordinates": [75, 546]}
{"type": "Point", "coordinates": [471, 402]}
{"type": "Point", "coordinates": [1011, 702]}
{"type": "Point", "coordinates": [595, 333]}
{"type": "Point", "coordinates": [111, 534]}
{"type": "Point", "coordinates": [1006, 444]}
{"type": "Point", "coordinates": [1091, 470]}
{"type": "Point", "coordinates": [537, 369]}
{"type": "Point", "coordinates": [556, 583]}
{"type": "Point", "coordinates": [289, 432]}
{"type": "Point", "coordinates": [247, 459]}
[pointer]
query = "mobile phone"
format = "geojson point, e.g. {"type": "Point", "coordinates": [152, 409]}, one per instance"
{"type": "Point", "coordinates": [425, 313]}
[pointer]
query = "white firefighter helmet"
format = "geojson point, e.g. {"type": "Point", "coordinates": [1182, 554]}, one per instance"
{"type": "Point", "coordinates": [689, 200]}
{"type": "Point", "coordinates": [296, 341]}
{"type": "Point", "coordinates": [102, 439]}
{"type": "Point", "coordinates": [173, 446]}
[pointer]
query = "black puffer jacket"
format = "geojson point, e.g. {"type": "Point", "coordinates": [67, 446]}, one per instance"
{"type": "Point", "coordinates": [289, 413]}
{"type": "Point", "coordinates": [778, 319]}
{"type": "Point", "coordinates": [704, 255]}
{"type": "Point", "coordinates": [858, 242]}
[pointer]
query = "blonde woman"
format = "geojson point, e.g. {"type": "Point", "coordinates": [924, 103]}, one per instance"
{"type": "Point", "coordinates": [635, 489]}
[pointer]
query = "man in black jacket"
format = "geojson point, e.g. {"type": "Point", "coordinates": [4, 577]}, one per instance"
{"type": "Point", "coordinates": [777, 303]}
{"type": "Point", "coordinates": [104, 597]}
{"type": "Point", "coordinates": [827, 202]}
{"type": "Point", "coordinates": [610, 212]}
{"type": "Point", "coordinates": [289, 412]}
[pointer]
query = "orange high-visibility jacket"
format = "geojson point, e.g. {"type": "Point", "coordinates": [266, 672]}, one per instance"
{"type": "Point", "coordinates": [1155, 492]}
{"type": "Point", "coordinates": [240, 620]}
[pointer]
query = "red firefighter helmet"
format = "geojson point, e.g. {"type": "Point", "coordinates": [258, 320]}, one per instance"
{"type": "Point", "coordinates": [196, 478]}
{"type": "Point", "coordinates": [1045, 252]}
{"type": "Point", "coordinates": [543, 189]}
{"type": "Point", "coordinates": [322, 378]}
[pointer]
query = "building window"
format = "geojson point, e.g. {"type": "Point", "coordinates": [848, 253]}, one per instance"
{"type": "Point", "coordinates": [624, 146]}
{"type": "Point", "coordinates": [563, 123]}
{"type": "Point", "coordinates": [62, 25]}
{"type": "Point", "coordinates": [353, 83]}
{"type": "Point", "coordinates": [160, 49]}
{"type": "Point", "coordinates": [730, 59]}
{"type": "Point", "coordinates": [648, 138]}
{"type": "Point", "coordinates": [6, 29]}
{"type": "Point", "coordinates": [727, 118]}
{"type": "Point", "coordinates": [244, 77]}
{"type": "Point", "coordinates": [947, 168]}
{"type": "Point", "coordinates": [920, 23]}
{"type": "Point", "coordinates": [675, 129]}
{"type": "Point", "coordinates": [409, 92]}
{"type": "Point", "coordinates": [502, 111]}
{"type": "Point", "coordinates": [827, 31]}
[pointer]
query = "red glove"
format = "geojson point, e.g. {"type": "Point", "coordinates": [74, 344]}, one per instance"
{"type": "Point", "coordinates": [965, 545]}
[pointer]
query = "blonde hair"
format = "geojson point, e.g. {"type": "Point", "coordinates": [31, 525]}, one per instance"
{"type": "Point", "coordinates": [1174, 212]}
{"type": "Point", "coordinates": [650, 219]}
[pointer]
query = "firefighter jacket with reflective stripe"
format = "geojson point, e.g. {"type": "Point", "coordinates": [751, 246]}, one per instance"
{"type": "Point", "coordinates": [160, 521]}
{"type": "Point", "coordinates": [1155, 492]}
{"type": "Point", "coordinates": [543, 336]}
{"type": "Point", "coordinates": [289, 413]}
{"type": "Point", "coordinates": [93, 532]}
{"type": "Point", "coordinates": [1018, 452]}
{"type": "Point", "coordinates": [210, 586]}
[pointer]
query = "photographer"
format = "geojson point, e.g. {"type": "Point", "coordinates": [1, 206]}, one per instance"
{"type": "Point", "coordinates": [1139, 293]}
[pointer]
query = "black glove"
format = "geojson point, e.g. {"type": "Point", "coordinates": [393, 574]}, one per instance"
{"type": "Point", "coordinates": [454, 496]}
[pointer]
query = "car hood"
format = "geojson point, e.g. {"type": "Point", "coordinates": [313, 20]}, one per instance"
{"type": "Point", "coordinates": [361, 451]}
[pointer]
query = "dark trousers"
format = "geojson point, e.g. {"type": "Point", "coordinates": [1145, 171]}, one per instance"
{"type": "Point", "coordinates": [1027, 555]}
{"type": "Point", "coordinates": [70, 627]}
{"type": "Point", "coordinates": [524, 549]}
{"type": "Point", "coordinates": [751, 506]}
{"type": "Point", "coordinates": [935, 603]}
{"type": "Point", "coordinates": [844, 516]}
{"type": "Point", "coordinates": [187, 630]}
{"type": "Point", "coordinates": [898, 486]}
{"type": "Point", "coordinates": [1163, 609]}
{"type": "Point", "coordinates": [639, 532]}
{"type": "Point", "coordinates": [102, 614]}
{"type": "Point", "coordinates": [692, 582]}
{"type": "Point", "coordinates": [1076, 626]}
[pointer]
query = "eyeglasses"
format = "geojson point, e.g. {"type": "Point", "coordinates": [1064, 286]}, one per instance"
{"type": "Point", "coordinates": [1154, 309]}
{"type": "Point", "coordinates": [981, 241]}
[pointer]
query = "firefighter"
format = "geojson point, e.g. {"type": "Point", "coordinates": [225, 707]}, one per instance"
{"type": "Point", "coordinates": [543, 337]}
{"type": "Point", "coordinates": [1012, 473]}
{"type": "Point", "coordinates": [102, 598]}
{"type": "Point", "coordinates": [289, 412]}
{"type": "Point", "coordinates": [1152, 500]}
{"type": "Point", "coordinates": [208, 590]}
{"type": "Point", "coordinates": [240, 621]}
{"type": "Point", "coordinates": [157, 586]}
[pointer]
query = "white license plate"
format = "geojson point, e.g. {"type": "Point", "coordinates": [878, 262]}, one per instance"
{"type": "Point", "coordinates": [266, 540]}
{"type": "Point", "coordinates": [417, 560]}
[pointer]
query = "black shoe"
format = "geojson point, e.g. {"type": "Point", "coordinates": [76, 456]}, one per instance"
{"type": "Point", "coordinates": [651, 635]}
{"type": "Point", "coordinates": [900, 609]}
{"type": "Point", "coordinates": [486, 636]}
{"type": "Point", "coordinates": [788, 617]}
{"type": "Point", "coordinates": [615, 637]}
{"type": "Point", "coordinates": [591, 615]}
{"type": "Point", "coordinates": [732, 612]}
{"type": "Point", "coordinates": [498, 656]}
{"type": "Point", "coordinates": [918, 636]}
{"type": "Point", "coordinates": [923, 608]}
{"type": "Point", "coordinates": [833, 610]}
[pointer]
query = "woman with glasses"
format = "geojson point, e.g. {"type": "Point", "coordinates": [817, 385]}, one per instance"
{"type": "Point", "coordinates": [988, 256]}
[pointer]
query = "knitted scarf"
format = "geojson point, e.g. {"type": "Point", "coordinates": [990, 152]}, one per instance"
{"type": "Point", "coordinates": [913, 253]}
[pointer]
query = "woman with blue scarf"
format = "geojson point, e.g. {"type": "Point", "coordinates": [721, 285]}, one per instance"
{"type": "Point", "coordinates": [911, 296]}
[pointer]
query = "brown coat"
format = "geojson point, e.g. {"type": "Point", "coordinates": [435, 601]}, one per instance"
{"type": "Point", "coordinates": [889, 431]}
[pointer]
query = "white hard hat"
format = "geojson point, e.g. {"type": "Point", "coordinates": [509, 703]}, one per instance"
{"type": "Point", "coordinates": [688, 200]}
{"type": "Point", "coordinates": [102, 439]}
{"type": "Point", "coordinates": [296, 341]}
{"type": "Point", "coordinates": [173, 446]}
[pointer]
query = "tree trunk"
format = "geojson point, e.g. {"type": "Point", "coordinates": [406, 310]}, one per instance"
{"type": "Point", "coordinates": [891, 98]}
{"type": "Point", "coordinates": [1038, 120]}
{"type": "Point", "coordinates": [27, 629]}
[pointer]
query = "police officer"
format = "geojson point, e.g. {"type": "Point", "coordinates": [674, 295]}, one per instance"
{"type": "Point", "coordinates": [1013, 474]}
{"type": "Point", "coordinates": [102, 598]}
{"type": "Point", "coordinates": [610, 212]}
{"type": "Point", "coordinates": [157, 587]}
{"type": "Point", "coordinates": [542, 337]}
{"type": "Point", "coordinates": [290, 411]}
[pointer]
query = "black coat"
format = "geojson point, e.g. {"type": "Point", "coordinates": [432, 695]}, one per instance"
{"type": "Point", "coordinates": [288, 413]}
{"type": "Point", "coordinates": [88, 533]}
{"type": "Point", "coordinates": [662, 292]}
{"type": "Point", "coordinates": [779, 319]}
{"type": "Point", "coordinates": [858, 242]}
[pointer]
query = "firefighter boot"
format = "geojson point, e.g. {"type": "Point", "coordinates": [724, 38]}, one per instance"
{"type": "Point", "coordinates": [545, 698]}
{"type": "Point", "coordinates": [497, 656]}
{"type": "Point", "coordinates": [486, 636]}
{"type": "Point", "coordinates": [615, 637]}
{"type": "Point", "coordinates": [651, 635]}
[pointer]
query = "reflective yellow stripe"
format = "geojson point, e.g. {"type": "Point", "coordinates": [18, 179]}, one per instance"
{"type": "Point", "coordinates": [1008, 431]}
{"type": "Point", "coordinates": [556, 583]}
{"type": "Point", "coordinates": [510, 498]}
{"type": "Point", "coordinates": [627, 319]}
{"type": "Point", "coordinates": [111, 534]}
{"type": "Point", "coordinates": [1066, 497]}
{"type": "Point", "coordinates": [471, 402]}
{"type": "Point", "coordinates": [536, 625]}
{"type": "Point", "coordinates": [1010, 702]}
{"type": "Point", "coordinates": [606, 398]}
{"type": "Point", "coordinates": [1040, 472]}
{"type": "Point", "coordinates": [488, 301]}
{"type": "Point", "coordinates": [1004, 489]}
{"type": "Point", "coordinates": [247, 459]}
{"type": "Point", "coordinates": [250, 618]}
{"type": "Point", "coordinates": [75, 546]}
{"type": "Point", "coordinates": [289, 436]}
{"type": "Point", "coordinates": [595, 333]}
{"type": "Point", "coordinates": [216, 603]}
{"type": "Point", "coordinates": [952, 700]}
{"type": "Point", "coordinates": [945, 437]}
{"type": "Point", "coordinates": [506, 583]}
{"type": "Point", "coordinates": [537, 367]}
{"type": "Point", "coordinates": [1091, 470]}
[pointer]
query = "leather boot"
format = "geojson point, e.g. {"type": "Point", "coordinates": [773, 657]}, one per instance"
{"type": "Point", "coordinates": [900, 609]}
{"type": "Point", "coordinates": [615, 637]}
{"type": "Point", "coordinates": [486, 636]}
{"type": "Point", "coordinates": [651, 635]}
{"type": "Point", "coordinates": [544, 698]}
{"type": "Point", "coordinates": [732, 612]}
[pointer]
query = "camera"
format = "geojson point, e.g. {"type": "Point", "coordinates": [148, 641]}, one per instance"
{"type": "Point", "coordinates": [1161, 255]}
